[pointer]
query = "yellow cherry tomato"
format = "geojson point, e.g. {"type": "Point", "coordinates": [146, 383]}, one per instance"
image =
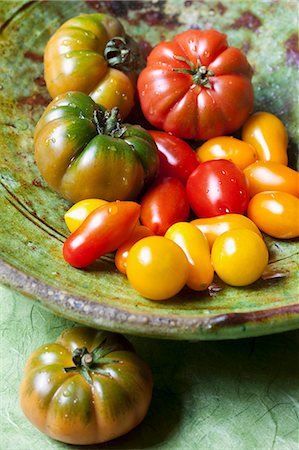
{"type": "Point", "coordinates": [79, 211]}
{"type": "Point", "coordinates": [227, 147]}
{"type": "Point", "coordinates": [275, 213]}
{"type": "Point", "coordinates": [268, 135]}
{"type": "Point", "coordinates": [271, 176]}
{"type": "Point", "coordinates": [196, 247]}
{"type": "Point", "coordinates": [213, 227]}
{"type": "Point", "coordinates": [239, 257]}
{"type": "Point", "coordinates": [122, 252]}
{"type": "Point", "coordinates": [157, 267]}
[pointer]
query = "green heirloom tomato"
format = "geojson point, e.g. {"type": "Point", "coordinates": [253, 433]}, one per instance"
{"type": "Point", "coordinates": [91, 53]}
{"type": "Point", "coordinates": [87, 387]}
{"type": "Point", "coordinates": [84, 151]}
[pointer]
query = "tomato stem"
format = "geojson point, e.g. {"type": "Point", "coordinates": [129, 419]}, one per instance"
{"type": "Point", "coordinates": [86, 362]}
{"type": "Point", "coordinates": [109, 122]}
{"type": "Point", "coordinates": [199, 74]}
{"type": "Point", "coordinates": [123, 53]}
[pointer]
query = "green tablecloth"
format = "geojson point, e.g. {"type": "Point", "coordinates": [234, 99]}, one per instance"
{"type": "Point", "coordinates": [241, 395]}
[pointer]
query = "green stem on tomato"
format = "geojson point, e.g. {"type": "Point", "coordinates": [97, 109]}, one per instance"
{"type": "Point", "coordinates": [200, 74]}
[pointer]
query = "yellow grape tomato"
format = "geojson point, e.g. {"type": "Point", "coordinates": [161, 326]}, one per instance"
{"type": "Point", "coordinates": [157, 268]}
{"type": "Point", "coordinates": [212, 227]}
{"type": "Point", "coordinates": [197, 250]}
{"type": "Point", "coordinates": [239, 257]}
{"type": "Point", "coordinates": [275, 213]}
{"type": "Point", "coordinates": [268, 136]}
{"type": "Point", "coordinates": [227, 147]}
{"type": "Point", "coordinates": [79, 211]}
{"type": "Point", "coordinates": [271, 176]}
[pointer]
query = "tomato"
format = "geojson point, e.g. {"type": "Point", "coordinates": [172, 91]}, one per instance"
{"type": "Point", "coordinates": [275, 213]}
{"type": "Point", "coordinates": [121, 255]}
{"type": "Point", "coordinates": [227, 147]}
{"type": "Point", "coordinates": [177, 158]}
{"type": "Point", "coordinates": [217, 187]}
{"type": "Point", "coordinates": [196, 248]}
{"type": "Point", "coordinates": [103, 231]}
{"type": "Point", "coordinates": [84, 151]}
{"type": "Point", "coordinates": [196, 86]}
{"type": "Point", "coordinates": [78, 212]}
{"type": "Point", "coordinates": [212, 227]}
{"type": "Point", "coordinates": [157, 268]}
{"type": "Point", "coordinates": [271, 176]}
{"type": "Point", "coordinates": [87, 387]}
{"type": "Point", "coordinates": [268, 135]}
{"type": "Point", "coordinates": [239, 257]}
{"type": "Point", "coordinates": [91, 53]}
{"type": "Point", "coordinates": [164, 204]}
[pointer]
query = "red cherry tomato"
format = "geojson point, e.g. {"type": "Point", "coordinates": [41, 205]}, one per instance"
{"type": "Point", "coordinates": [177, 158]}
{"type": "Point", "coordinates": [164, 204]}
{"type": "Point", "coordinates": [103, 231]}
{"type": "Point", "coordinates": [217, 187]}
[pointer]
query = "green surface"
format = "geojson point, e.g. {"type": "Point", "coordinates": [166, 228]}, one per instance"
{"type": "Point", "coordinates": [31, 249]}
{"type": "Point", "coordinates": [232, 395]}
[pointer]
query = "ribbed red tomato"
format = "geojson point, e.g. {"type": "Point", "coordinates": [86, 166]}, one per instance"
{"type": "Point", "coordinates": [196, 86]}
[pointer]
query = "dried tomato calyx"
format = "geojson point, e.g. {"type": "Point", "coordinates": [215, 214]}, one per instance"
{"type": "Point", "coordinates": [108, 122]}
{"type": "Point", "coordinates": [87, 363]}
{"type": "Point", "coordinates": [123, 53]}
{"type": "Point", "coordinates": [200, 74]}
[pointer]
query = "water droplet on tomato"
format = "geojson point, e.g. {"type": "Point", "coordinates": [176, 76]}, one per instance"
{"type": "Point", "coordinates": [113, 210]}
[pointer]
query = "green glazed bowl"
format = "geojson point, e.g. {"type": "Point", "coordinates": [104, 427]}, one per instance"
{"type": "Point", "coordinates": [32, 225]}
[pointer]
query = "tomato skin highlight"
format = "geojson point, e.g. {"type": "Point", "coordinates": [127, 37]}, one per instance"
{"type": "Point", "coordinates": [196, 248]}
{"type": "Point", "coordinates": [103, 231]}
{"type": "Point", "coordinates": [177, 158]}
{"type": "Point", "coordinates": [275, 213]}
{"type": "Point", "coordinates": [239, 257]}
{"type": "Point", "coordinates": [212, 227]}
{"type": "Point", "coordinates": [157, 268]}
{"type": "Point", "coordinates": [271, 176]}
{"type": "Point", "coordinates": [122, 252]}
{"type": "Point", "coordinates": [79, 211]}
{"type": "Point", "coordinates": [268, 135]}
{"type": "Point", "coordinates": [227, 147]}
{"type": "Point", "coordinates": [164, 204]}
{"type": "Point", "coordinates": [217, 187]}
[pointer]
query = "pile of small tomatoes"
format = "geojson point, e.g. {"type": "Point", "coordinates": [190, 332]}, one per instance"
{"type": "Point", "coordinates": [174, 213]}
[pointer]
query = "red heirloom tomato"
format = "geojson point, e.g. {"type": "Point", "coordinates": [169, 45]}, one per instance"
{"type": "Point", "coordinates": [177, 158]}
{"type": "Point", "coordinates": [164, 204]}
{"type": "Point", "coordinates": [217, 187]}
{"type": "Point", "coordinates": [103, 231]}
{"type": "Point", "coordinates": [196, 86]}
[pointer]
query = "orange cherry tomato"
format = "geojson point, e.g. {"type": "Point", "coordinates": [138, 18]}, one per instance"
{"type": "Point", "coordinates": [80, 210]}
{"type": "Point", "coordinates": [121, 255]}
{"type": "Point", "coordinates": [196, 247]}
{"type": "Point", "coordinates": [212, 227]}
{"type": "Point", "coordinates": [227, 147]}
{"type": "Point", "coordinates": [268, 135]}
{"type": "Point", "coordinates": [271, 176]}
{"type": "Point", "coordinates": [276, 213]}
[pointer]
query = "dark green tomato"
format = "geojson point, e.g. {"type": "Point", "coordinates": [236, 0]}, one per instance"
{"type": "Point", "coordinates": [87, 388]}
{"type": "Point", "coordinates": [84, 151]}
